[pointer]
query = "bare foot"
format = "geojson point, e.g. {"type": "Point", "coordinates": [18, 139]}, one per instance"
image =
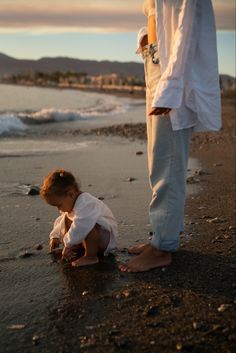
{"type": "Point", "coordinates": [85, 261]}
{"type": "Point", "coordinates": [149, 259]}
{"type": "Point", "coordinates": [137, 249]}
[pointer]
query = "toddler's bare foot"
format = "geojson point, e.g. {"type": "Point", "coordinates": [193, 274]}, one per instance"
{"type": "Point", "coordinates": [149, 259]}
{"type": "Point", "coordinates": [85, 261]}
{"type": "Point", "coordinates": [137, 249]}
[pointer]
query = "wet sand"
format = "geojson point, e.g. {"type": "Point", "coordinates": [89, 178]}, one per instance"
{"type": "Point", "coordinates": [187, 307]}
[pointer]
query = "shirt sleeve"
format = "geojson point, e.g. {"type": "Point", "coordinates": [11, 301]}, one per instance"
{"type": "Point", "coordinates": [58, 230]}
{"type": "Point", "coordinates": [170, 88]}
{"type": "Point", "coordinates": [141, 33]}
{"type": "Point", "coordinates": [84, 221]}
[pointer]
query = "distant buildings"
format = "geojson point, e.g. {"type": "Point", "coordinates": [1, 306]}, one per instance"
{"type": "Point", "coordinates": [112, 81]}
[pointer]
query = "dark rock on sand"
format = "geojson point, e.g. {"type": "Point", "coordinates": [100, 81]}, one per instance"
{"type": "Point", "coordinates": [122, 343]}
{"type": "Point", "coordinates": [33, 190]}
{"type": "Point", "coordinates": [216, 220]}
{"type": "Point", "coordinates": [153, 310]}
{"type": "Point", "coordinates": [192, 180]}
{"type": "Point", "coordinates": [25, 253]}
{"type": "Point", "coordinates": [130, 179]}
{"type": "Point", "coordinates": [139, 153]}
{"type": "Point", "coordinates": [201, 172]}
{"type": "Point", "coordinates": [38, 247]}
{"type": "Point", "coordinates": [35, 340]}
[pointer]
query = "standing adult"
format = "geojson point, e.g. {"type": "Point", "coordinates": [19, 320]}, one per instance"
{"type": "Point", "coordinates": [182, 95]}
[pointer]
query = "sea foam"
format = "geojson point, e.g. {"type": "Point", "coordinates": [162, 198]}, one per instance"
{"type": "Point", "coordinates": [11, 124]}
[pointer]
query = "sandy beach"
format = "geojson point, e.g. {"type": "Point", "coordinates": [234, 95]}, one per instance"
{"type": "Point", "coordinates": [47, 306]}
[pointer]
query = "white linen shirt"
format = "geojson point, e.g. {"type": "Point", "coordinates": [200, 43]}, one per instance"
{"type": "Point", "coordinates": [87, 211]}
{"type": "Point", "coordinates": [189, 83]}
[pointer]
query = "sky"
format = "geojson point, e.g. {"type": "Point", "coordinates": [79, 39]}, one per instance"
{"type": "Point", "coordinates": [98, 29]}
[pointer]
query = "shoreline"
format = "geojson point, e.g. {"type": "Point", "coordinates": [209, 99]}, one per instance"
{"type": "Point", "coordinates": [189, 306]}
{"type": "Point", "coordinates": [123, 93]}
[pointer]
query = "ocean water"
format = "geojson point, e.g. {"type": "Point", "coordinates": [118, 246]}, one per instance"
{"type": "Point", "coordinates": [21, 107]}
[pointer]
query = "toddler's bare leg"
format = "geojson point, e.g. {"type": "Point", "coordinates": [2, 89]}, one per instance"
{"type": "Point", "coordinates": [94, 244]}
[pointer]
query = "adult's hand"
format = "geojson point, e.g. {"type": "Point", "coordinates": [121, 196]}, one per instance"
{"type": "Point", "coordinates": [159, 111]}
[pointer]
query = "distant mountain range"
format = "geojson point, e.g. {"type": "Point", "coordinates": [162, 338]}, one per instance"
{"type": "Point", "coordinates": [9, 66]}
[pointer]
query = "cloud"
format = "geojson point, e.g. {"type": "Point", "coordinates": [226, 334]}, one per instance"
{"type": "Point", "coordinates": [29, 17]}
{"type": "Point", "coordinates": [85, 15]}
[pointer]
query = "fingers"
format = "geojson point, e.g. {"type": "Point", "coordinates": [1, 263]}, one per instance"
{"type": "Point", "coordinates": [159, 111]}
{"type": "Point", "coordinates": [67, 254]}
{"type": "Point", "coordinates": [54, 244]}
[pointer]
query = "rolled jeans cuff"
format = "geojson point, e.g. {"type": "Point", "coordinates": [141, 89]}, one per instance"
{"type": "Point", "coordinates": [166, 245]}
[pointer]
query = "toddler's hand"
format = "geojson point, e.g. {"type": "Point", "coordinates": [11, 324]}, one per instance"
{"type": "Point", "coordinates": [54, 244]}
{"type": "Point", "coordinates": [67, 253]}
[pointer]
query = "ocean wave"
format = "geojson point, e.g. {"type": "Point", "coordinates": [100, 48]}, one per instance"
{"type": "Point", "coordinates": [13, 122]}
{"type": "Point", "coordinates": [58, 115]}
{"type": "Point", "coordinates": [48, 115]}
{"type": "Point", "coordinates": [9, 123]}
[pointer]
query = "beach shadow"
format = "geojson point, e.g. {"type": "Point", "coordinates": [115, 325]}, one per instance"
{"type": "Point", "coordinates": [95, 280]}
{"type": "Point", "coordinates": [211, 275]}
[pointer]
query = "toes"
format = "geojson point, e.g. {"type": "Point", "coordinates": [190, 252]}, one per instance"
{"type": "Point", "coordinates": [74, 264]}
{"type": "Point", "coordinates": [123, 268]}
{"type": "Point", "coordinates": [126, 268]}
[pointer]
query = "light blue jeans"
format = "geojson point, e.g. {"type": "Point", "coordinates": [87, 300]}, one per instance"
{"type": "Point", "coordinates": [168, 153]}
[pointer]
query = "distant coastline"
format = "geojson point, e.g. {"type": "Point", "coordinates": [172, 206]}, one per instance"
{"type": "Point", "coordinates": [121, 91]}
{"type": "Point", "coordinates": [88, 75]}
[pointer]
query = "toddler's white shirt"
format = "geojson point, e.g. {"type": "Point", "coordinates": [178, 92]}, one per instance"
{"type": "Point", "coordinates": [87, 211]}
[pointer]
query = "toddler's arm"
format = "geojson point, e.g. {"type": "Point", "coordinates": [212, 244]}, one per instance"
{"type": "Point", "coordinates": [57, 233]}
{"type": "Point", "coordinates": [83, 222]}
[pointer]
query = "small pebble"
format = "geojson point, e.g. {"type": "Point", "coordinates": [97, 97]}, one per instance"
{"type": "Point", "coordinates": [217, 164]}
{"type": "Point", "coordinates": [84, 293]}
{"type": "Point", "coordinates": [122, 343]}
{"type": "Point", "coordinates": [179, 346]}
{"type": "Point", "coordinates": [89, 344]}
{"type": "Point", "coordinates": [130, 179]}
{"type": "Point", "coordinates": [223, 307]}
{"type": "Point", "coordinates": [216, 220]}
{"type": "Point", "coordinates": [201, 172]}
{"type": "Point", "coordinates": [192, 180]}
{"type": "Point", "coordinates": [114, 333]}
{"type": "Point", "coordinates": [153, 310]}
{"type": "Point", "coordinates": [127, 293]}
{"type": "Point", "coordinates": [33, 190]}
{"type": "Point", "coordinates": [16, 327]}
{"type": "Point", "coordinates": [38, 247]}
{"type": "Point", "coordinates": [24, 254]}
{"type": "Point", "coordinates": [35, 339]}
